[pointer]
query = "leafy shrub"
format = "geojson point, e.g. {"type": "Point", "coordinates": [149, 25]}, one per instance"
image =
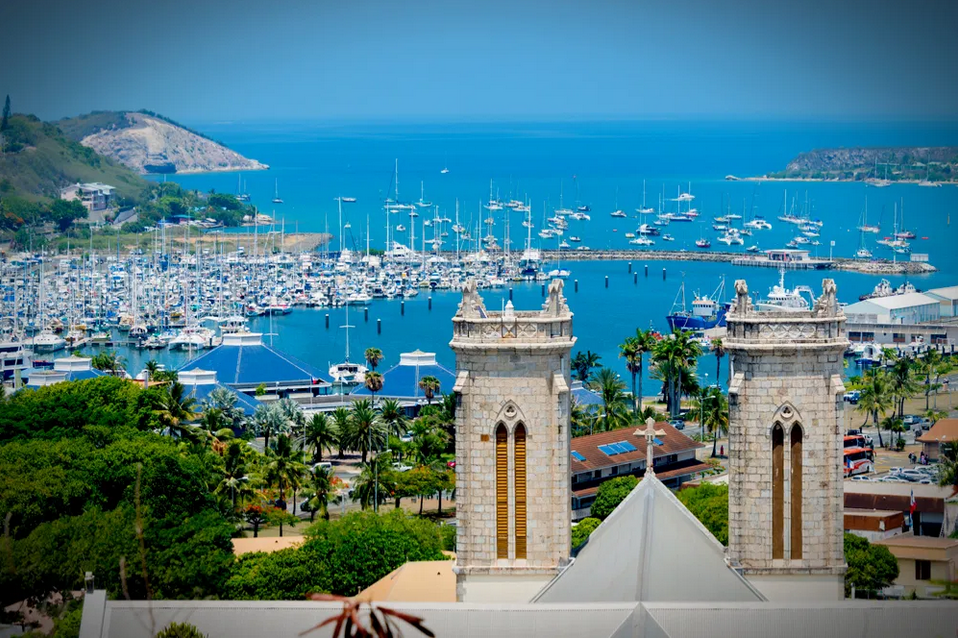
{"type": "Point", "coordinates": [177, 630]}
{"type": "Point", "coordinates": [610, 494]}
{"type": "Point", "coordinates": [709, 504]}
{"type": "Point", "coordinates": [582, 531]}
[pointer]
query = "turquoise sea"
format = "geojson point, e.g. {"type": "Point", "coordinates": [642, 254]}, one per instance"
{"type": "Point", "coordinates": [596, 164]}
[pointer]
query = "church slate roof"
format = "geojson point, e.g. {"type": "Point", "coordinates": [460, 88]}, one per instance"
{"type": "Point", "coordinates": [651, 548]}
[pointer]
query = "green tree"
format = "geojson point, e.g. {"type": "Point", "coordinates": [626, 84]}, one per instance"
{"type": "Point", "coordinates": [234, 481]}
{"type": "Point", "coordinates": [709, 504]}
{"type": "Point", "coordinates": [366, 431]}
{"type": "Point", "coordinates": [394, 416]}
{"type": "Point", "coordinates": [151, 368]}
{"type": "Point", "coordinates": [319, 435]}
{"type": "Point", "coordinates": [610, 494]}
{"type": "Point", "coordinates": [373, 357]}
{"type": "Point", "coordinates": [675, 358]}
{"type": "Point", "coordinates": [871, 568]}
{"type": "Point", "coordinates": [321, 487]}
{"type": "Point", "coordinates": [63, 213]}
{"type": "Point", "coordinates": [583, 363]}
{"type": "Point", "coordinates": [718, 349]}
{"type": "Point", "coordinates": [343, 427]}
{"type": "Point", "coordinates": [373, 383]}
{"type": "Point", "coordinates": [875, 399]}
{"type": "Point", "coordinates": [108, 361]}
{"type": "Point", "coordinates": [614, 413]}
{"type": "Point", "coordinates": [176, 410]}
{"type": "Point", "coordinates": [429, 386]}
{"type": "Point", "coordinates": [269, 420]}
{"type": "Point", "coordinates": [583, 529]}
{"type": "Point", "coordinates": [284, 471]}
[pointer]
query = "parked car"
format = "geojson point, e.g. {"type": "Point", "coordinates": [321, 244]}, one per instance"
{"type": "Point", "coordinates": [326, 465]}
{"type": "Point", "coordinates": [853, 396]}
{"type": "Point", "coordinates": [912, 419]}
{"type": "Point", "coordinates": [451, 464]}
{"type": "Point", "coordinates": [678, 424]}
{"type": "Point", "coordinates": [400, 467]}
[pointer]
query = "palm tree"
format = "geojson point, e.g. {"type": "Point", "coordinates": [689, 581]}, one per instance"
{"type": "Point", "coordinates": [269, 420]}
{"type": "Point", "coordinates": [374, 383]}
{"type": "Point", "coordinates": [365, 488]}
{"type": "Point", "coordinates": [151, 368]}
{"type": "Point", "coordinates": [929, 363]}
{"type": "Point", "coordinates": [321, 485]}
{"type": "Point", "coordinates": [292, 413]}
{"type": "Point", "coordinates": [284, 471]}
{"type": "Point", "coordinates": [609, 386]}
{"type": "Point", "coordinates": [233, 478]}
{"type": "Point", "coordinates": [175, 410]}
{"type": "Point", "coordinates": [373, 357]}
{"type": "Point", "coordinates": [108, 361]}
{"type": "Point", "coordinates": [675, 359]}
{"type": "Point", "coordinates": [718, 348]}
{"type": "Point", "coordinates": [366, 432]}
{"type": "Point", "coordinates": [428, 439]}
{"type": "Point", "coordinates": [319, 435]}
{"type": "Point", "coordinates": [583, 362]}
{"type": "Point", "coordinates": [429, 386]}
{"type": "Point", "coordinates": [902, 382]}
{"type": "Point", "coordinates": [875, 399]}
{"type": "Point", "coordinates": [715, 414]}
{"type": "Point", "coordinates": [629, 350]}
{"type": "Point", "coordinates": [225, 400]}
{"type": "Point", "coordinates": [342, 426]}
{"type": "Point", "coordinates": [935, 415]}
{"type": "Point", "coordinates": [393, 415]}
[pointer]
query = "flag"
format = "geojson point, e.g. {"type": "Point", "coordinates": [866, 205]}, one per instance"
{"type": "Point", "coordinates": [911, 504]}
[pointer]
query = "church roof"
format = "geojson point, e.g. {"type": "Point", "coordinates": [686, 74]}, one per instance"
{"type": "Point", "coordinates": [244, 360]}
{"type": "Point", "coordinates": [651, 548]}
{"type": "Point", "coordinates": [402, 380]}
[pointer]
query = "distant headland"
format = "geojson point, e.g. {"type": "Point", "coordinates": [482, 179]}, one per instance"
{"type": "Point", "coordinates": [149, 143]}
{"type": "Point", "coordinates": [922, 165]}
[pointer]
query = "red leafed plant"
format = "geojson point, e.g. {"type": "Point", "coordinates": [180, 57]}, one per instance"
{"type": "Point", "coordinates": [349, 622]}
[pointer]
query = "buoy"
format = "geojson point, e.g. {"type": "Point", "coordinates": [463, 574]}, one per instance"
{"type": "Point", "coordinates": [379, 326]}
{"type": "Point", "coordinates": [327, 321]}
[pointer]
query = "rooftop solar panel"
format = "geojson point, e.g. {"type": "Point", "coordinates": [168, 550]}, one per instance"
{"type": "Point", "coordinates": [626, 446]}
{"type": "Point", "coordinates": [577, 456]}
{"type": "Point", "coordinates": [657, 441]}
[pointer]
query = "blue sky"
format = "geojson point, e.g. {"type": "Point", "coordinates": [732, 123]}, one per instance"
{"type": "Point", "coordinates": [206, 61]}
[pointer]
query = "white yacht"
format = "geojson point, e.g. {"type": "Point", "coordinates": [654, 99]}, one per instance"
{"type": "Point", "coordinates": [781, 298]}
{"type": "Point", "coordinates": [48, 341]}
{"type": "Point", "coordinates": [192, 337]}
{"type": "Point", "coordinates": [347, 373]}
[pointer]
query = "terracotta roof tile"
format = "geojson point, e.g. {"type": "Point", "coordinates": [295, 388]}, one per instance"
{"type": "Point", "coordinates": [673, 442]}
{"type": "Point", "coordinates": [944, 430]}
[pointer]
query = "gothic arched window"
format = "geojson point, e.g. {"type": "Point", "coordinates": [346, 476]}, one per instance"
{"type": "Point", "coordinates": [796, 492]}
{"type": "Point", "coordinates": [778, 492]}
{"type": "Point", "coordinates": [519, 438]}
{"type": "Point", "coordinates": [502, 492]}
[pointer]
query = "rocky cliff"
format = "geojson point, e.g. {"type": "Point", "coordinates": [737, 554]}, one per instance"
{"type": "Point", "coordinates": [935, 163]}
{"type": "Point", "coordinates": [151, 144]}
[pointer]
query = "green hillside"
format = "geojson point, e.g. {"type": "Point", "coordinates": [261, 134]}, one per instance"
{"type": "Point", "coordinates": [38, 159]}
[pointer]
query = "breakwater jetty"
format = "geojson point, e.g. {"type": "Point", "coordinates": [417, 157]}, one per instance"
{"type": "Point", "coordinates": [877, 267]}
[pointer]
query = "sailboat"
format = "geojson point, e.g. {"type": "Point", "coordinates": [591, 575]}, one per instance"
{"type": "Point", "coordinates": [347, 373]}
{"type": "Point", "coordinates": [241, 195]}
{"type": "Point", "coordinates": [276, 197]}
{"type": "Point", "coordinates": [422, 203]}
{"type": "Point", "coordinates": [864, 227]}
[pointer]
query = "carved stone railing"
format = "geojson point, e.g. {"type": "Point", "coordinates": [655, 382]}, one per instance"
{"type": "Point", "coordinates": [521, 327]}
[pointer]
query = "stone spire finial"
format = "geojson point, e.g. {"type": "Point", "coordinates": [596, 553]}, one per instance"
{"type": "Point", "coordinates": [742, 302]}
{"type": "Point", "coordinates": [827, 304]}
{"type": "Point", "coordinates": [471, 304]}
{"type": "Point", "coordinates": [649, 433]}
{"type": "Point", "coordinates": [555, 305]}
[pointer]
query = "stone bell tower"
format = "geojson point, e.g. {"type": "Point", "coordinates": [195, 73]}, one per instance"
{"type": "Point", "coordinates": [786, 421]}
{"type": "Point", "coordinates": [513, 505]}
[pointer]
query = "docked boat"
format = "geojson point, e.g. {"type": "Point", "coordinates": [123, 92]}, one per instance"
{"type": "Point", "coordinates": [192, 337]}
{"type": "Point", "coordinates": [703, 243]}
{"type": "Point", "coordinates": [885, 289]}
{"type": "Point", "coordinates": [667, 237]}
{"type": "Point", "coordinates": [781, 298]}
{"type": "Point", "coordinates": [47, 341]}
{"type": "Point", "coordinates": [617, 213]}
{"type": "Point", "coordinates": [708, 311]}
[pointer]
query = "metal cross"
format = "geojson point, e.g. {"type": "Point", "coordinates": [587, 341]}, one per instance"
{"type": "Point", "coordinates": [650, 433]}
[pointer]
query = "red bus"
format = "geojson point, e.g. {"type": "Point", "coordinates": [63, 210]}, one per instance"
{"type": "Point", "coordinates": [858, 460]}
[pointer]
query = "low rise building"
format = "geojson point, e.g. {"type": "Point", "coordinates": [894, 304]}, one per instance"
{"type": "Point", "coordinates": [401, 382]}
{"type": "Point", "coordinates": [906, 309]}
{"type": "Point", "coordinates": [935, 508]}
{"type": "Point", "coordinates": [93, 195]}
{"type": "Point", "coordinates": [947, 300]}
{"type": "Point", "coordinates": [943, 431]}
{"type": "Point", "coordinates": [596, 458]}
{"type": "Point", "coordinates": [874, 525]}
{"type": "Point", "coordinates": [924, 564]}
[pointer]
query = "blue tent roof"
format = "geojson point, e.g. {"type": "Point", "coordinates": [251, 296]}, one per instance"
{"type": "Point", "coordinates": [244, 360]}
{"type": "Point", "coordinates": [583, 396]}
{"type": "Point", "coordinates": [402, 380]}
